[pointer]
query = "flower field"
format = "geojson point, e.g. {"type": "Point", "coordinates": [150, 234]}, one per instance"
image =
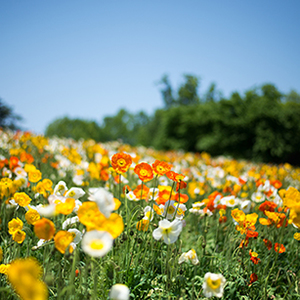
{"type": "Point", "coordinates": [85, 220]}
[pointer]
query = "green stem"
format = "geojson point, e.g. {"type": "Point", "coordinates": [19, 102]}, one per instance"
{"type": "Point", "coordinates": [95, 279]}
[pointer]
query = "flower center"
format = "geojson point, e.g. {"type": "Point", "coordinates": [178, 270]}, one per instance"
{"type": "Point", "coordinates": [213, 284]}
{"type": "Point", "coordinates": [171, 210]}
{"type": "Point", "coordinates": [97, 245]}
{"type": "Point", "coordinates": [121, 162]}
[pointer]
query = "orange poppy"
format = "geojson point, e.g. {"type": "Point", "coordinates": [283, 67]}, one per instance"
{"type": "Point", "coordinates": [141, 194]}
{"type": "Point", "coordinates": [267, 206]}
{"type": "Point", "coordinates": [279, 248]}
{"type": "Point", "coordinates": [161, 167]}
{"type": "Point", "coordinates": [121, 162]}
{"type": "Point", "coordinates": [268, 244]}
{"type": "Point", "coordinates": [183, 198]}
{"type": "Point", "coordinates": [253, 278]}
{"type": "Point", "coordinates": [44, 229]}
{"type": "Point", "coordinates": [144, 171]}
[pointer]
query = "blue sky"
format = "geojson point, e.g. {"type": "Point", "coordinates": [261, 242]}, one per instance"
{"type": "Point", "coordinates": [88, 59]}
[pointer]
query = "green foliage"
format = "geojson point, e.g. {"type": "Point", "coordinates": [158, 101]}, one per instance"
{"type": "Point", "coordinates": [187, 93]}
{"type": "Point", "coordinates": [8, 119]}
{"type": "Point", "coordinates": [261, 125]}
{"type": "Point", "coordinates": [74, 128]}
{"type": "Point", "coordinates": [127, 127]}
{"type": "Point", "coordinates": [258, 125]}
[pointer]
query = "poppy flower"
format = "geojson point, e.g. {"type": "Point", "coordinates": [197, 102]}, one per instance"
{"type": "Point", "coordinates": [253, 278]}
{"type": "Point", "coordinates": [279, 248]}
{"type": "Point", "coordinates": [213, 285]}
{"type": "Point", "coordinates": [144, 171]}
{"type": "Point", "coordinates": [121, 162]}
{"type": "Point", "coordinates": [161, 167]}
{"type": "Point", "coordinates": [167, 230]}
{"type": "Point", "coordinates": [254, 257]}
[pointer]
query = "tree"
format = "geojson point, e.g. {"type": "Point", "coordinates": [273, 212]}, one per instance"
{"type": "Point", "coordinates": [167, 92]}
{"type": "Point", "coordinates": [8, 119]}
{"type": "Point", "coordinates": [212, 94]}
{"type": "Point", "coordinates": [292, 96]}
{"type": "Point", "coordinates": [187, 93]}
{"type": "Point", "coordinates": [74, 128]}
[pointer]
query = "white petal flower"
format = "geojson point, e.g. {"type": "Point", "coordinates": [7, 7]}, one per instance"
{"type": "Point", "coordinates": [69, 221]}
{"type": "Point", "coordinates": [153, 193]}
{"type": "Point", "coordinates": [46, 210]}
{"type": "Point", "coordinates": [77, 235]}
{"type": "Point", "coordinates": [104, 200]}
{"type": "Point", "coordinates": [169, 209]}
{"type": "Point", "coordinates": [163, 180]}
{"type": "Point", "coordinates": [60, 188]}
{"type": "Point", "coordinates": [75, 193]}
{"type": "Point", "coordinates": [213, 285]}
{"type": "Point", "coordinates": [229, 201]}
{"type": "Point", "coordinates": [246, 206]}
{"type": "Point", "coordinates": [131, 196]}
{"type": "Point", "coordinates": [149, 213]}
{"type": "Point", "coordinates": [258, 197]}
{"type": "Point", "coordinates": [167, 230]}
{"type": "Point", "coordinates": [119, 292]}
{"type": "Point", "coordinates": [189, 256]}
{"type": "Point", "coordinates": [97, 243]}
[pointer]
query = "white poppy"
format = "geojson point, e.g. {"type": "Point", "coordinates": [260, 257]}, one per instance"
{"type": "Point", "coordinates": [167, 230]}
{"type": "Point", "coordinates": [75, 193]}
{"type": "Point", "coordinates": [97, 243]}
{"type": "Point", "coordinates": [119, 292]}
{"type": "Point", "coordinates": [213, 285]}
{"type": "Point", "coordinates": [104, 200]}
{"type": "Point", "coordinates": [189, 256]}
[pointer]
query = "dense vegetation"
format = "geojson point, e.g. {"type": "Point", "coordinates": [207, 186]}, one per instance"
{"type": "Point", "coordinates": [262, 124]}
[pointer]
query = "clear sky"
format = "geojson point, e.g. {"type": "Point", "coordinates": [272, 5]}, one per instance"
{"type": "Point", "coordinates": [88, 59]}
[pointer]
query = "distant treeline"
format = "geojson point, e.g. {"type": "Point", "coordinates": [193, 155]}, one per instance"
{"type": "Point", "coordinates": [261, 125]}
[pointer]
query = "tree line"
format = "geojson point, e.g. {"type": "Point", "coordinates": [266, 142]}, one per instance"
{"type": "Point", "coordinates": [261, 124]}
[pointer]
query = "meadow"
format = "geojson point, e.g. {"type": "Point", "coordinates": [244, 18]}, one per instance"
{"type": "Point", "coordinates": [88, 220]}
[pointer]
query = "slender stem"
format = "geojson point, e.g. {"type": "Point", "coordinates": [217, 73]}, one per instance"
{"type": "Point", "coordinates": [95, 279]}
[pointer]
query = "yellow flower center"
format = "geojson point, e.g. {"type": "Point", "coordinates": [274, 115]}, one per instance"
{"type": "Point", "coordinates": [213, 284]}
{"type": "Point", "coordinates": [171, 210]}
{"type": "Point", "coordinates": [121, 162]}
{"type": "Point", "coordinates": [72, 194]}
{"type": "Point", "coordinates": [144, 172]}
{"type": "Point", "coordinates": [97, 245]}
{"type": "Point", "coordinates": [166, 231]}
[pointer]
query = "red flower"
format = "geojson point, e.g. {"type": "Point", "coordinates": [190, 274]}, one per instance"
{"type": "Point", "coordinates": [141, 193]}
{"type": "Point", "coordinates": [171, 175]}
{"type": "Point", "coordinates": [180, 185]}
{"type": "Point", "coordinates": [121, 162]}
{"type": "Point", "coordinates": [254, 257]}
{"type": "Point", "coordinates": [144, 171]}
{"type": "Point", "coordinates": [279, 248]}
{"type": "Point", "coordinates": [253, 278]}
{"type": "Point", "coordinates": [276, 183]}
{"type": "Point", "coordinates": [267, 205]}
{"type": "Point", "coordinates": [183, 198]}
{"type": "Point", "coordinates": [268, 244]}
{"type": "Point", "coordinates": [13, 162]}
{"type": "Point", "coordinates": [223, 219]}
{"type": "Point", "coordinates": [251, 233]}
{"type": "Point", "coordinates": [161, 167]}
{"type": "Point", "coordinates": [244, 243]}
